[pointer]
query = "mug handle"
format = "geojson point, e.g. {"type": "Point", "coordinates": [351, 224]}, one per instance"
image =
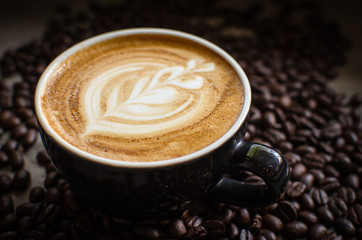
{"type": "Point", "coordinates": [261, 160]}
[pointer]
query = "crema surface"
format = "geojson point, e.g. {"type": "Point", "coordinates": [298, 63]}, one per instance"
{"type": "Point", "coordinates": [143, 98]}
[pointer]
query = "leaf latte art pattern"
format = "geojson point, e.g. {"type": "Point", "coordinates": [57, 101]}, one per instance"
{"type": "Point", "coordinates": [144, 97]}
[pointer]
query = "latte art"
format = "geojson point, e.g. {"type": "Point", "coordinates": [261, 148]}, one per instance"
{"type": "Point", "coordinates": [162, 100]}
{"type": "Point", "coordinates": [142, 98]}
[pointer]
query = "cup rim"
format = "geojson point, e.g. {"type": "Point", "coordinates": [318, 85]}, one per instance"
{"type": "Point", "coordinates": [44, 124]}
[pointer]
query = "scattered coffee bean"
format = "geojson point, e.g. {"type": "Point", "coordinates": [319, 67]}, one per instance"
{"type": "Point", "coordinates": [308, 217]}
{"type": "Point", "coordinates": [6, 205]}
{"type": "Point", "coordinates": [147, 232]}
{"type": "Point", "coordinates": [337, 206]}
{"type": "Point", "coordinates": [21, 179]}
{"type": "Point", "coordinates": [176, 228]}
{"type": "Point", "coordinates": [294, 110]}
{"type": "Point", "coordinates": [295, 189]}
{"type": "Point", "coordinates": [317, 231]}
{"type": "Point", "coordinates": [325, 215]}
{"type": "Point", "coordinates": [286, 211]}
{"type": "Point", "coordinates": [355, 214]}
{"type": "Point", "coordinates": [5, 182]}
{"type": "Point", "coordinates": [295, 230]}
{"type": "Point", "coordinates": [242, 218]}
{"type": "Point", "coordinates": [36, 194]}
{"type": "Point", "coordinates": [345, 227]}
{"type": "Point", "coordinates": [272, 222]}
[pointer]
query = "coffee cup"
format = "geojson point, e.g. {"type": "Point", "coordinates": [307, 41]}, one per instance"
{"type": "Point", "coordinates": [142, 122]}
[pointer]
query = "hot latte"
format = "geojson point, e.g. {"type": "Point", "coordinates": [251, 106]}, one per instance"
{"type": "Point", "coordinates": [143, 98]}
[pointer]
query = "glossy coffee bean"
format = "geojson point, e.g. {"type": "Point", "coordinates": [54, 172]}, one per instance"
{"type": "Point", "coordinates": [345, 227]}
{"type": "Point", "coordinates": [338, 207]}
{"type": "Point", "coordinates": [6, 205]}
{"type": "Point", "coordinates": [242, 218]}
{"type": "Point", "coordinates": [36, 194]}
{"type": "Point", "coordinates": [21, 179]}
{"type": "Point", "coordinates": [176, 228]}
{"type": "Point", "coordinates": [5, 182]}
{"type": "Point", "coordinates": [324, 215]}
{"type": "Point", "coordinates": [295, 230]}
{"type": "Point", "coordinates": [317, 231]}
{"type": "Point", "coordinates": [272, 222]}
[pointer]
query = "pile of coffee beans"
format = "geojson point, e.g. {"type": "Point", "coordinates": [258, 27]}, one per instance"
{"type": "Point", "coordinates": [289, 57]}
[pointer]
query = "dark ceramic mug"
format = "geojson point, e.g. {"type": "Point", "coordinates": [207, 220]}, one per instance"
{"type": "Point", "coordinates": [161, 187]}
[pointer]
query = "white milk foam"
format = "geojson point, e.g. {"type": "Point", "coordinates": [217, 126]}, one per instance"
{"type": "Point", "coordinates": [143, 98]}
{"type": "Point", "coordinates": [157, 94]}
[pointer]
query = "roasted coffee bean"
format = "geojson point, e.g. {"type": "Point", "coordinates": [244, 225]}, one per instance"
{"type": "Point", "coordinates": [246, 235]}
{"type": "Point", "coordinates": [21, 179]}
{"type": "Point", "coordinates": [329, 184]}
{"type": "Point", "coordinates": [5, 182]}
{"type": "Point", "coordinates": [325, 215]}
{"type": "Point", "coordinates": [332, 130]}
{"type": "Point", "coordinates": [337, 206]}
{"type": "Point", "coordinates": [29, 138]}
{"type": "Point", "coordinates": [52, 214]}
{"type": "Point", "coordinates": [266, 234]}
{"type": "Point", "coordinates": [8, 222]}
{"type": "Point", "coordinates": [345, 227]}
{"type": "Point", "coordinates": [313, 160]}
{"type": "Point", "coordinates": [28, 209]}
{"type": "Point", "coordinates": [286, 211]}
{"type": "Point", "coordinates": [353, 181]}
{"type": "Point", "coordinates": [295, 189]}
{"type": "Point", "coordinates": [4, 159]}
{"type": "Point", "coordinates": [11, 122]}
{"type": "Point", "coordinates": [214, 228]}
{"type": "Point", "coordinates": [42, 158]}
{"type": "Point", "coordinates": [272, 222]}
{"type": "Point", "coordinates": [72, 200]}
{"type": "Point", "coordinates": [16, 159]}
{"type": "Point", "coordinates": [298, 171]}
{"type": "Point", "coordinates": [292, 158]}
{"type": "Point", "coordinates": [9, 235]}
{"type": "Point", "coordinates": [10, 146]}
{"type": "Point", "coordinates": [147, 232]}
{"type": "Point", "coordinates": [34, 234]}
{"type": "Point", "coordinates": [320, 197]}
{"type": "Point", "coordinates": [304, 149]}
{"type": "Point", "coordinates": [308, 217]}
{"type": "Point", "coordinates": [176, 228]}
{"type": "Point", "coordinates": [54, 195]}
{"type": "Point", "coordinates": [225, 216]}
{"type": "Point", "coordinates": [256, 222]}
{"type": "Point", "coordinates": [19, 131]}
{"type": "Point", "coordinates": [317, 231]}
{"type": "Point", "coordinates": [24, 113]}
{"type": "Point", "coordinates": [295, 230]}
{"type": "Point", "coordinates": [24, 224]}
{"type": "Point", "coordinates": [308, 180]}
{"type": "Point", "coordinates": [60, 236]}
{"type": "Point", "coordinates": [318, 175]}
{"type": "Point", "coordinates": [347, 194]}
{"type": "Point", "coordinates": [343, 162]}
{"type": "Point", "coordinates": [355, 214]}
{"type": "Point", "coordinates": [51, 179]}
{"type": "Point", "coordinates": [233, 231]}
{"type": "Point", "coordinates": [306, 202]}
{"type": "Point", "coordinates": [242, 218]}
{"type": "Point", "coordinates": [331, 171]}
{"type": "Point", "coordinates": [37, 194]}
{"type": "Point", "coordinates": [6, 205]}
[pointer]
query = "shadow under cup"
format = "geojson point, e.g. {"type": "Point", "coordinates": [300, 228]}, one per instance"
{"type": "Point", "coordinates": [144, 189]}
